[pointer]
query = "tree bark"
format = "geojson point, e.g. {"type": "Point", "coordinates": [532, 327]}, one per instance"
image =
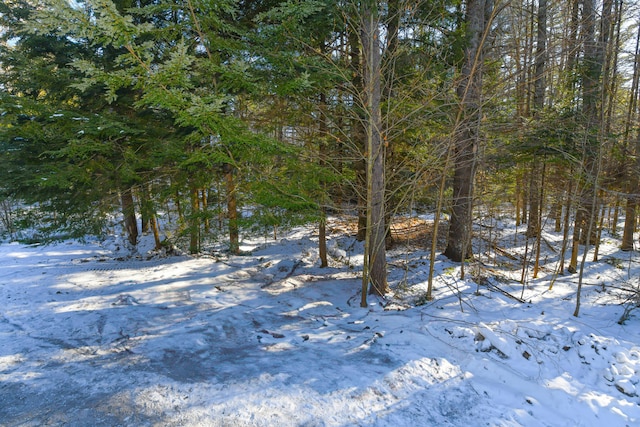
{"type": "Point", "coordinates": [358, 135]}
{"type": "Point", "coordinates": [466, 135]}
{"type": "Point", "coordinates": [153, 223]}
{"type": "Point", "coordinates": [565, 229]}
{"type": "Point", "coordinates": [616, 214]}
{"type": "Point", "coordinates": [129, 213]}
{"type": "Point", "coordinates": [322, 245]}
{"type": "Point", "coordinates": [148, 209]}
{"type": "Point", "coordinates": [632, 172]}
{"type": "Point", "coordinates": [232, 210]}
{"type": "Point", "coordinates": [539, 230]}
{"type": "Point", "coordinates": [556, 210]}
{"type": "Point", "coordinates": [629, 223]}
{"type": "Point", "coordinates": [533, 224]}
{"type": "Point", "coordinates": [375, 243]}
{"type": "Point", "coordinates": [575, 244]}
{"type": "Point", "coordinates": [204, 204]}
{"type": "Point", "coordinates": [518, 199]}
{"type": "Point", "coordinates": [540, 81]}
{"type": "Point", "coordinates": [145, 218]}
{"type": "Point", "coordinates": [194, 221]}
{"type": "Point", "coordinates": [596, 249]}
{"type": "Point", "coordinates": [323, 162]}
{"type": "Point", "coordinates": [539, 84]}
{"type": "Point", "coordinates": [592, 91]}
{"type": "Point", "coordinates": [388, 74]}
{"type": "Point", "coordinates": [178, 203]}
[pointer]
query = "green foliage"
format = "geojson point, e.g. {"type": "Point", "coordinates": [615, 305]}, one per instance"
{"type": "Point", "coordinates": [66, 151]}
{"type": "Point", "coordinates": [164, 95]}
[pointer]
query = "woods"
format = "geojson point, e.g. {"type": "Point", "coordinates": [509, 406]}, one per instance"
{"type": "Point", "coordinates": [228, 117]}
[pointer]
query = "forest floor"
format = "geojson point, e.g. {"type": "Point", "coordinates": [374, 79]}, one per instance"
{"type": "Point", "coordinates": [90, 335]}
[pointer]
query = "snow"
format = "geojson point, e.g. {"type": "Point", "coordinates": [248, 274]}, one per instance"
{"type": "Point", "coordinates": [91, 336]}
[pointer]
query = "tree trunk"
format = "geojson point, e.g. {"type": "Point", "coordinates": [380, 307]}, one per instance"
{"type": "Point", "coordinates": [179, 209]}
{"type": "Point", "coordinates": [611, 70]}
{"type": "Point", "coordinates": [204, 203]}
{"type": "Point", "coordinates": [518, 197]}
{"type": "Point", "coordinates": [219, 206]}
{"type": "Point", "coordinates": [194, 221]}
{"type": "Point", "coordinates": [153, 223]}
{"type": "Point", "coordinates": [539, 230]}
{"type": "Point", "coordinates": [540, 81]}
{"type": "Point", "coordinates": [146, 207]}
{"type": "Point", "coordinates": [565, 229]}
{"type": "Point", "coordinates": [596, 249]}
{"type": "Point", "coordinates": [616, 215]}
{"type": "Point", "coordinates": [358, 135]}
{"type": "Point", "coordinates": [375, 247]}
{"type": "Point", "coordinates": [129, 214]}
{"type": "Point", "coordinates": [232, 210]}
{"type": "Point", "coordinates": [322, 245]}
{"type": "Point", "coordinates": [570, 46]}
{"type": "Point", "coordinates": [533, 224]}
{"type": "Point", "coordinates": [539, 84]}
{"type": "Point", "coordinates": [575, 244]}
{"type": "Point", "coordinates": [556, 210]}
{"type": "Point", "coordinates": [436, 226]}
{"type": "Point", "coordinates": [524, 198]}
{"type": "Point", "coordinates": [629, 221]}
{"type": "Point", "coordinates": [592, 94]}
{"type": "Point", "coordinates": [466, 135]}
{"type": "Point", "coordinates": [388, 73]}
{"type": "Point", "coordinates": [634, 167]}
{"type": "Point", "coordinates": [591, 215]}
{"type": "Point", "coordinates": [323, 154]}
{"type": "Point", "coordinates": [145, 217]}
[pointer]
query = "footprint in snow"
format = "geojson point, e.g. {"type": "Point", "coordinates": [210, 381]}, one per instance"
{"type": "Point", "coordinates": [125, 299]}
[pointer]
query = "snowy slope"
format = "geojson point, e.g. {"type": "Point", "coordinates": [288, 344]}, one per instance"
{"type": "Point", "coordinates": [270, 339]}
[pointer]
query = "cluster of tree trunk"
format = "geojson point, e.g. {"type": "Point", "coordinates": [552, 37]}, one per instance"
{"type": "Point", "coordinates": [385, 106]}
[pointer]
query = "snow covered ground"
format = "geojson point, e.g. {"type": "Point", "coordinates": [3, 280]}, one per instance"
{"type": "Point", "coordinates": [89, 337]}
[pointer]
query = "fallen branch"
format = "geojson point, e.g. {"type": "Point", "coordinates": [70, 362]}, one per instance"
{"type": "Point", "coordinates": [503, 252]}
{"type": "Point", "coordinates": [505, 293]}
{"type": "Point", "coordinates": [554, 250]}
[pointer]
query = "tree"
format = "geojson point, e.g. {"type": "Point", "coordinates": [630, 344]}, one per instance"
{"type": "Point", "coordinates": [585, 229]}
{"type": "Point", "coordinates": [189, 66]}
{"type": "Point", "coordinates": [632, 187]}
{"type": "Point", "coordinates": [79, 145]}
{"type": "Point", "coordinates": [305, 94]}
{"type": "Point", "coordinates": [466, 133]}
{"type": "Point", "coordinates": [375, 265]}
{"type": "Point", "coordinates": [539, 84]}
